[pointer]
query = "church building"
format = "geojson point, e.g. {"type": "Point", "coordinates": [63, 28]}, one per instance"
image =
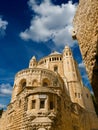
{"type": "Point", "coordinates": [50, 95]}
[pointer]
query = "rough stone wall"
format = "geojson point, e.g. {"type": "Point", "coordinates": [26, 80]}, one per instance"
{"type": "Point", "coordinates": [70, 116]}
{"type": "Point", "coordinates": [17, 117]}
{"type": "Point", "coordinates": [86, 32]}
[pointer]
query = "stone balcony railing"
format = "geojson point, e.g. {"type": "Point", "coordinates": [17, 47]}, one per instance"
{"type": "Point", "coordinates": [34, 71]}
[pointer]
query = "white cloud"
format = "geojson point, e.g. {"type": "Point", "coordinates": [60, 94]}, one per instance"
{"type": "Point", "coordinates": [50, 22]}
{"type": "Point", "coordinates": [2, 106]}
{"type": "Point", "coordinates": [83, 70]}
{"type": "Point", "coordinates": [3, 26]}
{"type": "Point", "coordinates": [5, 89]}
{"type": "Point", "coordinates": [81, 65]}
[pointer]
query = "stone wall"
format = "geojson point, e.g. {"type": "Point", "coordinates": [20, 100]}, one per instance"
{"type": "Point", "coordinates": [69, 116]}
{"type": "Point", "coordinates": [86, 32]}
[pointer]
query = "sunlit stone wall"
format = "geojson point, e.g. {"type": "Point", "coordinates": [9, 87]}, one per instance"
{"type": "Point", "coordinates": [86, 32]}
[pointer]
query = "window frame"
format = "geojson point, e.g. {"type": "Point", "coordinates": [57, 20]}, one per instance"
{"type": "Point", "coordinates": [33, 104]}
{"type": "Point", "coordinates": [42, 103]}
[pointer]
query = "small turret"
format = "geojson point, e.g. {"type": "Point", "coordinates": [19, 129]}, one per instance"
{"type": "Point", "coordinates": [32, 62]}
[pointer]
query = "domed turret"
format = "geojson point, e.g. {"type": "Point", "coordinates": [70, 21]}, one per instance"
{"type": "Point", "coordinates": [33, 62]}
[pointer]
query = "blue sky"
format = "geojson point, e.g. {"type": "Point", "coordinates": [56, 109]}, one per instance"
{"type": "Point", "coordinates": [33, 27]}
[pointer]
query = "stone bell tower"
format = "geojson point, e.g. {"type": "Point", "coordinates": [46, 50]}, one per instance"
{"type": "Point", "coordinates": [73, 77]}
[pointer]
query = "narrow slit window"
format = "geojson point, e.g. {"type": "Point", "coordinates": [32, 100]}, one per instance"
{"type": "Point", "coordinates": [42, 103]}
{"type": "Point", "coordinates": [87, 95]}
{"type": "Point", "coordinates": [75, 95]}
{"type": "Point", "coordinates": [79, 95]}
{"type": "Point", "coordinates": [53, 59]}
{"type": "Point", "coordinates": [33, 104]}
{"type": "Point", "coordinates": [51, 105]}
{"type": "Point", "coordinates": [56, 68]}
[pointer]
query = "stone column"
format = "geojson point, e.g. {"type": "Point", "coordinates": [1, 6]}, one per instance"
{"type": "Point", "coordinates": [47, 103]}
{"type": "Point", "coordinates": [29, 104]}
{"type": "Point", "coordinates": [37, 104]}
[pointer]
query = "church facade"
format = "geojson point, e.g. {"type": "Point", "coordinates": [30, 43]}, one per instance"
{"type": "Point", "coordinates": [49, 95]}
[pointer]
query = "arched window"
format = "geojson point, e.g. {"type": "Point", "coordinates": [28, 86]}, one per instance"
{"type": "Point", "coordinates": [22, 85]}
{"type": "Point", "coordinates": [75, 95]}
{"type": "Point", "coordinates": [53, 58]}
{"type": "Point", "coordinates": [87, 95]}
{"type": "Point", "coordinates": [50, 59]}
{"type": "Point", "coordinates": [46, 82]}
{"type": "Point", "coordinates": [56, 68]}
